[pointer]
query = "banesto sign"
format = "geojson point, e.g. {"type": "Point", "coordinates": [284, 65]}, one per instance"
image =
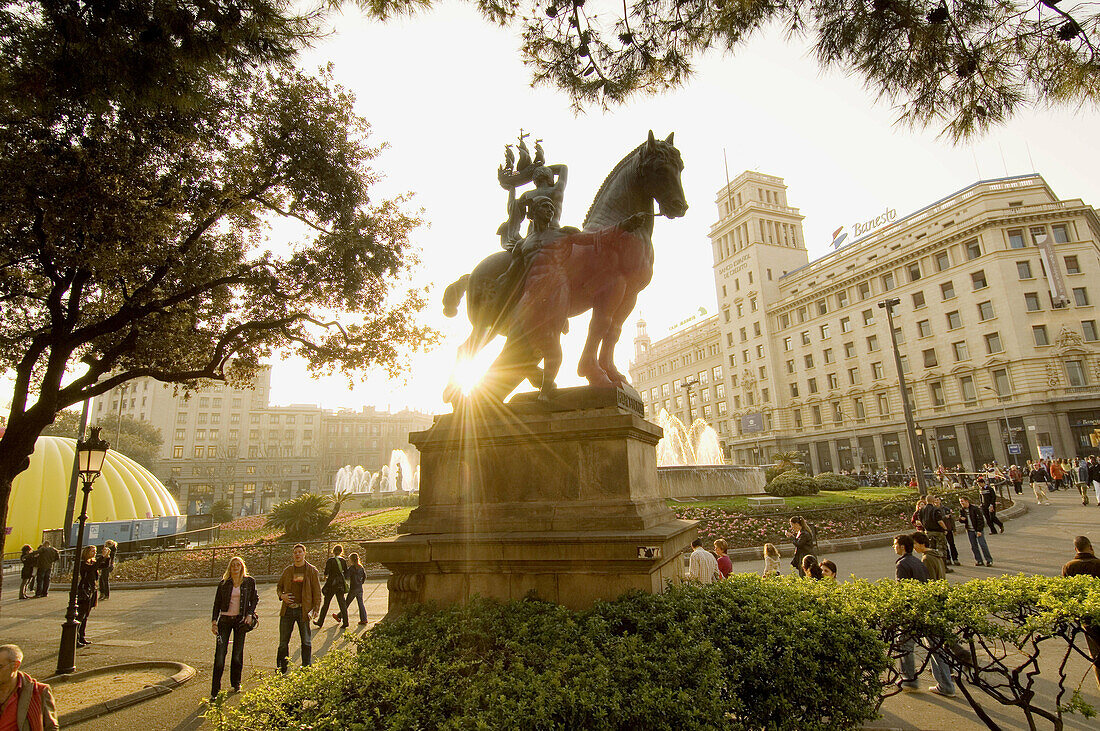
{"type": "Point", "coordinates": [889, 216]}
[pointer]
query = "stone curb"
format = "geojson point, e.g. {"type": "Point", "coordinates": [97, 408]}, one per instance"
{"type": "Point", "coordinates": [175, 583]}
{"type": "Point", "coordinates": [182, 675]}
{"type": "Point", "coordinates": [858, 543]}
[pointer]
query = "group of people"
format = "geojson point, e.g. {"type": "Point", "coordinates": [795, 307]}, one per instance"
{"type": "Point", "coordinates": [36, 570]}
{"type": "Point", "coordinates": [939, 522]}
{"type": "Point", "coordinates": [707, 567]}
{"type": "Point", "coordinates": [300, 592]}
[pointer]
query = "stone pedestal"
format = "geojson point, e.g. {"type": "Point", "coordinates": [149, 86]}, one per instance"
{"type": "Point", "coordinates": [562, 502]}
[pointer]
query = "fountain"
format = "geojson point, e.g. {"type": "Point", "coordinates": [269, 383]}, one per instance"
{"type": "Point", "coordinates": [399, 476]}
{"type": "Point", "coordinates": [690, 463]}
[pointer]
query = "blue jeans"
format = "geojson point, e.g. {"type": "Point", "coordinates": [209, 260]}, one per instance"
{"type": "Point", "coordinates": [978, 540]}
{"type": "Point", "coordinates": [357, 595]}
{"type": "Point", "coordinates": [228, 627]}
{"type": "Point", "coordinates": [941, 671]}
{"type": "Point", "coordinates": [291, 617]}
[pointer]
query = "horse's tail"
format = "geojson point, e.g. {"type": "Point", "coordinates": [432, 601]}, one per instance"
{"type": "Point", "coordinates": [453, 295]}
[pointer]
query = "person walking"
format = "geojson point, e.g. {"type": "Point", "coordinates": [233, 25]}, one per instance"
{"type": "Point", "coordinates": [1086, 563]}
{"type": "Point", "coordinates": [87, 592]}
{"type": "Point", "coordinates": [234, 615]}
{"type": "Point", "coordinates": [1054, 468]}
{"type": "Point", "coordinates": [952, 554]}
{"type": "Point", "coordinates": [971, 518]}
{"type": "Point", "coordinates": [1094, 476]}
{"type": "Point", "coordinates": [26, 576]}
{"type": "Point", "coordinates": [771, 561]}
{"type": "Point", "coordinates": [989, 506]}
{"type": "Point", "coordinates": [106, 566]}
{"type": "Point", "coordinates": [931, 558]}
{"type": "Point", "coordinates": [725, 565]}
{"type": "Point", "coordinates": [335, 585]}
{"type": "Point", "coordinates": [1038, 477]}
{"type": "Point", "coordinates": [803, 540]}
{"type": "Point", "coordinates": [47, 557]}
{"type": "Point", "coordinates": [1081, 478]}
{"type": "Point", "coordinates": [934, 525]}
{"type": "Point", "coordinates": [908, 566]}
{"type": "Point", "coordinates": [356, 576]}
{"type": "Point", "coordinates": [702, 566]}
{"type": "Point", "coordinates": [25, 703]}
{"type": "Point", "coordinates": [299, 590]}
{"type": "Point", "coordinates": [1016, 477]}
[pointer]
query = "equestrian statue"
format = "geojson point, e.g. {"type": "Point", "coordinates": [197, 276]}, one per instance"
{"type": "Point", "coordinates": [528, 291]}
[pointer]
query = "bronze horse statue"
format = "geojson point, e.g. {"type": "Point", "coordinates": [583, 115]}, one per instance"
{"type": "Point", "coordinates": [601, 268]}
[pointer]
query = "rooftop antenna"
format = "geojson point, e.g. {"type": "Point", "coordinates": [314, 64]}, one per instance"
{"type": "Point", "coordinates": [726, 165]}
{"type": "Point", "coordinates": [1003, 162]}
{"type": "Point", "coordinates": [1029, 158]}
{"type": "Point", "coordinates": [977, 169]}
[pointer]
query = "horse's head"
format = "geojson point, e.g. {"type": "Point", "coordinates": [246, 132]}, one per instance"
{"type": "Point", "coordinates": [660, 167]}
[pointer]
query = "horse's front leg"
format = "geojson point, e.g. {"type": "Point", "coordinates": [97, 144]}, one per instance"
{"type": "Point", "coordinates": [611, 339]}
{"type": "Point", "coordinates": [603, 308]}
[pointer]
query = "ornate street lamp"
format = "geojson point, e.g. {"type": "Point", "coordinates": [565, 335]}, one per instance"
{"type": "Point", "coordinates": [90, 455]}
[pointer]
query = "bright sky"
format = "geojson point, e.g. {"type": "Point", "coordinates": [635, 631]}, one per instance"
{"type": "Point", "coordinates": [447, 91]}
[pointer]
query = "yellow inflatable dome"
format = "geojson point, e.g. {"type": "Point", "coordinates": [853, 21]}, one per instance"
{"type": "Point", "coordinates": [124, 490]}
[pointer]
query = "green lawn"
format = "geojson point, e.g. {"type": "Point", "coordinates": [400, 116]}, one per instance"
{"type": "Point", "coordinates": [821, 500]}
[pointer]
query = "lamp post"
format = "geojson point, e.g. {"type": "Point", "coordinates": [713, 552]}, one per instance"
{"type": "Point", "coordinates": [1008, 427]}
{"type": "Point", "coordinates": [90, 454]}
{"type": "Point", "coordinates": [686, 386]}
{"type": "Point", "coordinates": [907, 409]}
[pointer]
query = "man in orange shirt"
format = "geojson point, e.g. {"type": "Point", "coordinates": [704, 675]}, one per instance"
{"type": "Point", "coordinates": [25, 704]}
{"type": "Point", "coordinates": [299, 590]}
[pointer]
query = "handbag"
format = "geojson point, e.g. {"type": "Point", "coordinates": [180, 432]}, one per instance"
{"type": "Point", "coordinates": [248, 627]}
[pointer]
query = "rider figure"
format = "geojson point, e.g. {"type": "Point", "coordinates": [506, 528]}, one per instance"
{"type": "Point", "coordinates": [549, 183]}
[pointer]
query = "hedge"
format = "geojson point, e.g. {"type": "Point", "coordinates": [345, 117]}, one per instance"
{"type": "Point", "coordinates": [792, 483]}
{"type": "Point", "coordinates": [832, 482]}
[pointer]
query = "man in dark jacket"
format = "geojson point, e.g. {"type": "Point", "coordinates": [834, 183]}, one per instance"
{"type": "Point", "coordinates": [1094, 477]}
{"type": "Point", "coordinates": [989, 506]}
{"type": "Point", "coordinates": [971, 517]}
{"type": "Point", "coordinates": [909, 566]}
{"type": "Point", "coordinates": [335, 585]}
{"type": "Point", "coordinates": [47, 557]}
{"type": "Point", "coordinates": [1085, 562]}
{"type": "Point", "coordinates": [935, 525]}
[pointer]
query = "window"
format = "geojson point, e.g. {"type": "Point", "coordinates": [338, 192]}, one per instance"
{"type": "Point", "coordinates": [842, 298]}
{"type": "Point", "coordinates": [1061, 233]}
{"type": "Point", "coordinates": [849, 350]}
{"type": "Point", "coordinates": [834, 382]}
{"type": "Point", "coordinates": [1031, 301]}
{"type": "Point", "coordinates": [930, 360]}
{"type": "Point", "coordinates": [763, 373]}
{"type": "Point", "coordinates": [1001, 383]}
{"type": "Point", "coordinates": [236, 403]}
{"type": "Point", "coordinates": [752, 302]}
{"type": "Point", "coordinates": [883, 404]}
{"type": "Point", "coordinates": [1039, 332]}
{"type": "Point", "coordinates": [918, 300]}
{"type": "Point", "coordinates": [801, 315]}
{"type": "Point", "coordinates": [845, 324]}
{"type": "Point", "coordinates": [1075, 373]}
{"type": "Point", "coordinates": [759, 351]}
{"type": "Point", "coordinates": [790, 366]}
{"type": "Point", "coordinates": [872, 343]}
{"type": "Point", "coordinates": [973, 249]}
{"type": "Point", "coordinates": [978, 279]}
{"type": "Point", "coordinates": [887, 281]}
{"type": "Point", "coordinates": [941, 260]}
{"type": "Point", "coordinates": [1080, 296]}
{"type": "Point", "coordinates": [201, 419]}
{"type": "Point", "coordinates": [857, 403]}
{"type": "Point", "coordinates": [198, 451]}
{"type": "Point", "coordinates": [756, 328]}
{"type": "Point", "coordinates": [211, 452]}
{"type": "Point", "coordinates": [1088, 327]}
{"type": "Point", "coordinates": [853, 376]}
{"type": "Point", "coordinates": [744, 335]}
{"type": "Point", "coordinates": [993, 343]}
{"type": "Point", "coordinates": [947, 289]}
{"type": "Point", "coordinates": [811, 385]}
{"type": "Point", "coordinates": [815, 415]}
{"type": "Point", "coordinates": [794, 390]}
{"type": "Point", "coordinates": [904, 363]}
{"type": "Point", "coordinates": [181, 417]}
{"type": "Point", "coordinates": [960, 350]}
{"type": "Point", "coordinates": [838, 415]}
{"type": "Point", "coordinates": [828, 355]}
{"type": "Point", "coordinates": [1023, 270]}
{"type": "Point", "coordinates": [822, 307]}
{"type": "Point", "coordinates": [824, 332]}
{"type": "Point", "coordinates": [1072, 267]}
{"type": "Point", "coordinates": [809, 359]}
{"type": "Point", "coordinates": [914, 271]}
{"type": "Point", "coordinates": [935, 390]}
{"type": "Point", "coordinates": [716, 372]}
{"type": "Point", "coordinates": [200, 434]}
{"type": "Point", "coordinates": [877, 371]}
{"type": "Point", "coordinates": [899, 335]}
{"type": "Point", "coordinates": [181, 434]}
{"type": "Point", "coordinates": [985, 310]}
{"type": "Point", "coordinates": [954, 320]}
{"type": "Point", "coordinates": [204, 402]}
{"type": "Point", "coordinates": [798, 418]}
{"type": "Point", "coordinates": [787, 344]}
{"type": "Point", "coordinates": [740, 309]}
{"type": "Point", "coordinates": [177, 452]}
{"type": "Point", "coordinates": [864, 289]}
{"type": "Point", "coordinates": [805, 337]}
{"type": "Point", "coordinates": [1016, 239]}
{"type": "Point", "coordinates": [966, 388]}
{"type": "Point", "coordinates": [1038, 233]}
{"type": "Point", "coordinates": [868, 317]}
{"type": "Point", "coordinates": [924, 328]}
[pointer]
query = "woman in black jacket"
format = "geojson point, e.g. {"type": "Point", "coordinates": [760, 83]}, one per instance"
{"type": "Point", "coordinates": [234, 614]}
{"type": "Point", "coordinates": [803, 542]}
{"type": "Point", "coordinates": [87, 592]}
{"type": "Point", "coordinates": [26, 577]}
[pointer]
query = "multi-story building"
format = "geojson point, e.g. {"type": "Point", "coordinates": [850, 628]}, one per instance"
{"type": "Point", "coordinates": [996, 329]}
{"type": "Point", "coordinates": [226, 443]}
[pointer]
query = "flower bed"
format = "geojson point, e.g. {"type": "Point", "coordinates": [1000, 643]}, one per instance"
{"type": "Point", "coordinates": [747, 531]}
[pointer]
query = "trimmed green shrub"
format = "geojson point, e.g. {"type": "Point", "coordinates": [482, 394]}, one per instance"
{"type": "Point", "coordinates": [792, 483]}
{"type": "Point", "coordinates": [832, 482]}
{"type": "Point", "coordinates": [770, 473]}
{"type": "Point", "coordinates": [746, 653]}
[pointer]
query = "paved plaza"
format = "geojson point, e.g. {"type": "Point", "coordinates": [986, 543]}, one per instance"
{"type": "Point", "coordinates": [174, 624]}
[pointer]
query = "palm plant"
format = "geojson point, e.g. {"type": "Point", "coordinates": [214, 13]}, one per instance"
{"type": "Point", "coordinates": [306, 516]}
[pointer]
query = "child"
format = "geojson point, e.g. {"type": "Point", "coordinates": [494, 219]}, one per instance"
{"type": "Point", "coordinates": [771, 560]}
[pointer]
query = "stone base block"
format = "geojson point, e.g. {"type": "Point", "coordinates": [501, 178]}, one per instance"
{"type": "Point", "coordinates": [574, 569]}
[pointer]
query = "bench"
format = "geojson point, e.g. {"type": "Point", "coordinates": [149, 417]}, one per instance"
{"type": "Point", "coordinates": [768, 500]}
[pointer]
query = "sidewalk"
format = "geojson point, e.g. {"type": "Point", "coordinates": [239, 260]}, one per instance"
{"type": "Point", "coordinates": [174, 624]}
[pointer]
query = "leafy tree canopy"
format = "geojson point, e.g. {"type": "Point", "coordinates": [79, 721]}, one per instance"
{"type": "Point", "coordinates": [145, 148]}
{"type": "Point", "coordinates": [138, 440]}
{"type": "Point", "coordinates": [963, 64]}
